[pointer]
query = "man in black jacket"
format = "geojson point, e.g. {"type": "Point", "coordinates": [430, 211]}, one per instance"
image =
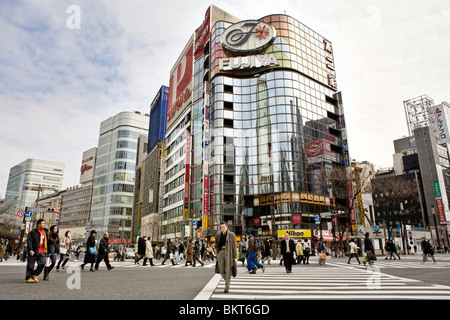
{"type": "Point", "coordinates": [103, 251]}
{"type": "Point", "coordinates": [37, 248]}
{"type": "Point", "coordinates": [427, 250]}
{"type": "Point", "coordinates": [287, 250]}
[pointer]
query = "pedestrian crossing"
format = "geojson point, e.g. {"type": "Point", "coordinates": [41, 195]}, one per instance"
{"type": "Point", "coordinates": [328, 283]}
{"type": "Point", "coordinates": [398, 264]}
{"type": "Point", "coordinates": [168, 264]}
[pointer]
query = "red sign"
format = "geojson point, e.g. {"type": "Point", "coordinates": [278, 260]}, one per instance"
{"type": "Point", "coordinates": [179, 81]}
{"type": "Point", "coordinates": [20, 213]}
{"type": "Point", "coordinates": [202, 36]}
{"type": "Point", "coordinates": [118, 241]}
{"type": "Point", "coordinates": [85, 167]}
{"type": "Point", "coordinates": [205, 194]}
{"type": "Point", "coordinates": [441, 211]}
{"type": "Point", "coordinates": [257, 221]}
{"type": "Point", "coordinates": [296, 218]}
{"type": "Point", "coordinates": [188, 165]}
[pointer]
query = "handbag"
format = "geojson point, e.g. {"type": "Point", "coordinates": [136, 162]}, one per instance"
{"type": "Point", "coordinates": [371, 256]}
{"type": "Point", "coordinates": [93, 250]}
{"type": "Point", "coordinates": [63, 250]}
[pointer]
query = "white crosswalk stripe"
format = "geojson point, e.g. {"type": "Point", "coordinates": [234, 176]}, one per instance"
{"type": "Point", "coordinates": [334, 282]}
{"type": "Point", "coordinates": [159, 265]}
{"type": "Point", "coordinates": [398, 264]}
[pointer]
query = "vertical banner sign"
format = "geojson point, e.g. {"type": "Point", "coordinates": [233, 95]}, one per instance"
{"type": "Point", "coordinates": [188, 166]}
{"type": "Point", "coordinates": [439, 203]}
{"type": "Point", "coordinates": [161, 180]}
{"type": "Point", "coordinates": [338, 97]}
{"type": "Point", "coordinates": [205, 194]}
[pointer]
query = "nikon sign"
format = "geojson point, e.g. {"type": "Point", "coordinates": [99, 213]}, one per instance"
{"type": "Point", "coordinates": [248, 36]}
{"type": "Point", "coordinates": [294, 233]}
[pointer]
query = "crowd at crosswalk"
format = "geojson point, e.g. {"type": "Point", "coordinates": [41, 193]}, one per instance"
{"type": "Point", "coordinates": [336, 281]}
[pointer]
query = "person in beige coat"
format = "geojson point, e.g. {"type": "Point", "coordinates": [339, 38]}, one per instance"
{"type": "Point", "coordinates": [226, 249]}
{"type": "Point", "coordinates": [299, 251]}
{"type": "Point", "coordinates": [148, 252]}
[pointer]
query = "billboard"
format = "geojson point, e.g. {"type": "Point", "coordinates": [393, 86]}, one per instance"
{"type": "Point", "coordinates": [202, 35]}
{"type": "Point", "coordinates": [438, 116]}
{"type": "Point", "coordinates": [180, 84]}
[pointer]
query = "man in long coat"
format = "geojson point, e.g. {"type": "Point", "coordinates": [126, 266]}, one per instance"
{"type": "Point", "coordinates": [226, 249]}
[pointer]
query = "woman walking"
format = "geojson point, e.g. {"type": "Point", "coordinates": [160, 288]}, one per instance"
{"type": "Point", "coordinates": [197, 253]}
{"type": "Point", "coordinates": [148, 252]}
{"type": "Point", "coordinates": [91, 251]}
{"type": "Point", "coordinates": [189, 253]}
{"type": "Point", "coordinates": [52, 251]}
{"type": "Point", "coordinates": [306, 253]}
{"type": "Point", "coordinates": [299, 251]}
{"type": "Point", "coordinates": [242, 251]}
{"type": "Point", "coordinates": [369, 249]}
{"type": "Point", "coordinates": [65, 250]}
{"type": "Point", "coordinates": [353, 251]}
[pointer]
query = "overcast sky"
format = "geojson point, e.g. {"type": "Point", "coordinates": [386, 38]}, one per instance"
{"type": "Point", "coordinates": [58, 83]}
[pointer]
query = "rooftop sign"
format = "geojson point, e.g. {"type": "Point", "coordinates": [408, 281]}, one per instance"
{"type": "Point", "coordinates": [248, 36]}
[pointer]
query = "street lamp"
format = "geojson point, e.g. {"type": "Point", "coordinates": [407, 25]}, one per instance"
{"type": "Point", "coordinates": [433, 211]}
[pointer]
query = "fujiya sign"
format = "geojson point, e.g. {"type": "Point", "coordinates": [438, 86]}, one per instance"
{"type": "Point", "coordinates": [256, 61]}
{"type": "Point", "coordinates": [248, 36]}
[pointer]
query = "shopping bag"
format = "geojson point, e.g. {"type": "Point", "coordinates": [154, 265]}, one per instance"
{"type": "Point", "coordinates": [47, 261]}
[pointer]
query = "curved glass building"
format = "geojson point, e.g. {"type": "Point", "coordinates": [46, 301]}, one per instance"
{"type": "Point", "coordinates": [267, 126]}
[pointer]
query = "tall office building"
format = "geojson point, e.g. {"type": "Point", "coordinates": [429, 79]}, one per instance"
{"type": "Point", "coordinates": [112, 197]}
{"type": "Point", "coordinates": [29, 180]}
{"type": "Point", "coordinates": [158, 118]}
{"type": "Point", "coordinates": [255, 127]}
{"type": "Point", "coordinates": [76, 200]}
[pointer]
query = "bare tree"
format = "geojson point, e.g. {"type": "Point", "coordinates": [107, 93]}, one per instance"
{"type": "Point", "coordinates": [346, 189]}
{"type": "Point", "coordinates": [396, 198]}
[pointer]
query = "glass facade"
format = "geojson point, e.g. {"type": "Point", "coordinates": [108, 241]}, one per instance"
{"type": "Point", "coordinates": [275, 132]}
{"type": "Point", "coordinates": [112, 195]}
{"type": "Point", "coordinates": [266, 126]}
{"type": "Point", "coordinates": [30, 178]}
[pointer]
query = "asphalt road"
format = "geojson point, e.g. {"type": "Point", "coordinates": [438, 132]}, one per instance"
{"type": "Point", "coordinates": [128, 281]}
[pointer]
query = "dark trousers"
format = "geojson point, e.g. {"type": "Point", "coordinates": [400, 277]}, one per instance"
{"type": "Point", "coordinates": [288, 260]}
{"type": "Point", "coordinates": [353, 255]}
{"type": "Point", "coordinates": [32, 259]}
{"type": "Point", "coordinates": [103, 257]}
{"type": "Point", "coordinates": [62, 258]}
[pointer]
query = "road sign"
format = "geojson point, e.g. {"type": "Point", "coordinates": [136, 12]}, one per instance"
{"type": "Point", "coordinates": [376, 228]}
{"type": "Point", "coordinates": [20, 213]}
{"type": "Point", "coordinates": [317, 219]}
{"type": "Point", "coordinates": [28, 214]}
{"type": "Point", "coordinates": [194, 223]}
{"type": "Point", "coordinates": [36, 209]}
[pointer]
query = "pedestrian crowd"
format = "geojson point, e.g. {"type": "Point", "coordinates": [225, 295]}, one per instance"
{"type": "Point", "coordinates": [46, 250]}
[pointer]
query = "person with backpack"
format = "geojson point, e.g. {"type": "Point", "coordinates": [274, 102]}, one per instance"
{"type": "Point", "coordinates": [252, 263]}
{"type": "Point", "coordinates": [427, 250]}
